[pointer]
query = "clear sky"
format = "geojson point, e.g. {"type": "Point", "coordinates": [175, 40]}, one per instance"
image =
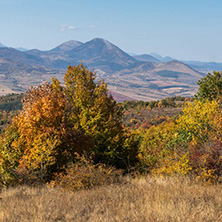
{"type": "Point", "coordinates": [183, 29]}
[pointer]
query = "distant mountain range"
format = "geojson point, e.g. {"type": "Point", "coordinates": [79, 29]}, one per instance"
{"type": "Point", "coordinates": [139, 77]}
{"type": "Point", "coordinates": [198, 65]}
{"type": "Point", "coordinates": [146, 58]}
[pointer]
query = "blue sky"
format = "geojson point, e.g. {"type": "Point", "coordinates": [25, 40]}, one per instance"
{"type": "Point", "coordinates": [189, 30]}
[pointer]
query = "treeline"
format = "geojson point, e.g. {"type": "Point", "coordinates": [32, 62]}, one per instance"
{"type": "Point", "coordinates": [168, 102]}
{"type": "Point", "coordinates": [11, 102]}
{"type": "Point", "coordinates": [6, 119]}
{"type": "Point", "coordinates": [136, 114]}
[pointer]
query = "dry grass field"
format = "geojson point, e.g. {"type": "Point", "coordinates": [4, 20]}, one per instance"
{"type": "Point", "coordinates": [133, 200]}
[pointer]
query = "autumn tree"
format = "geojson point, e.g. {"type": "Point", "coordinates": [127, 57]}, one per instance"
{"type": "Point", "coordinates": [196, 120]}
{"type": "Point", "coordinates": [40, 140]}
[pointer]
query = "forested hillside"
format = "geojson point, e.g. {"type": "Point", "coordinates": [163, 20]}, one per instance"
{"type": "Point", "coordinates": [9, 107]}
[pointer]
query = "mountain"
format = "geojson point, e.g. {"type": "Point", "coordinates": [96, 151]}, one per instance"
{"type": "Point", "coordinates": [127, 77]}
{"type": "Point", "coordinates": [14, 55]}
{"type": "Point", "coordinates": [203, 67]}
{"type": "Point", "coordinates": [153, 81]}
{"type": "Point", "coordinates": [146, 58]}
{"type": "Point", "coordinates": [97, 54]}
{"type": "Point", "coordinates": [1, 45]}
{"type": "Point", "coordinates": [19, 70]}
{"type": "Point", "coordinates": [101, 54]}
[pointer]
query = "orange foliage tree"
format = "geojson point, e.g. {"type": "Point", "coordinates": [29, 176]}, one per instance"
{"type": "Point", "coordinates": [44, 140]}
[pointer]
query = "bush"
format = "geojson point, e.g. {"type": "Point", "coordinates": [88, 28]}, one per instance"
{"type": "Point", "coordinates": [206, 160]}
{"type": "Point", "coordinates": [174, 165]}
{"type": "Point", "coordinates": [84, 174]}
{"type": "Point", "coordinates": [155, 143]}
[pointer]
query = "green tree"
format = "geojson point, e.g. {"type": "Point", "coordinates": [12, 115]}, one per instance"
{"type": "Point", "coordinates": [97, 113]}
{"type": "Point", "coordinates": [210, 87]}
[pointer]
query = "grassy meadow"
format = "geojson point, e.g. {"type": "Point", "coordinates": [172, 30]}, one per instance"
{"type": "Point", "coordinates": [147, 199]}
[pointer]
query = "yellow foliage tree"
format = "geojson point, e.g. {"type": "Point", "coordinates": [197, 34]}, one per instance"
{"type": "Point", "coordinates": [196, 119]}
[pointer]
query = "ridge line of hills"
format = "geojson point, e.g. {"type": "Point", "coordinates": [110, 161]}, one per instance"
{"type": "Point", "coordinates": [141, 77]}
{"type": "Point", "coordinates": [151, 57]}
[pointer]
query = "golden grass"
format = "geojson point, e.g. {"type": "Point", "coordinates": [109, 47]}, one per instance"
{"type": "Point", "coordinates": [139, 200]}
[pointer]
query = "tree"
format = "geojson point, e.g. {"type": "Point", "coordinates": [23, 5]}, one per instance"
{"type": "Point", "coordinates": [40, 140]}
{"type": "Point", "coordinates": [210, 87]}
{"type": "Point", "coordinates": [196, 120]}
{"type": "Point", "coordinates": [97, 113]}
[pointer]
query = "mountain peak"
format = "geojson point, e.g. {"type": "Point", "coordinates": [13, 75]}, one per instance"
{"type": "Point", "coordinates": [174, 62]}
{"type": "Point", "coordinates": [99, 52]}
{"type": "Point", "coordinates": [101, 43]}
{"type": "Point", "coordinates": [66, 46]}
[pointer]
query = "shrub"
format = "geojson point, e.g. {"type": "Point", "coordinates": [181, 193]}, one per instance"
{"type": "Point", "coordinates": [84, 174]}
{"type": "Point", "coordinates": [196, 120]}
{"type": "Point", "coordinates": [174, 165]}
{"type": "Point", "coordinates": [206, 160]}
{"type": "Point", "coordinates": [155, 143]}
